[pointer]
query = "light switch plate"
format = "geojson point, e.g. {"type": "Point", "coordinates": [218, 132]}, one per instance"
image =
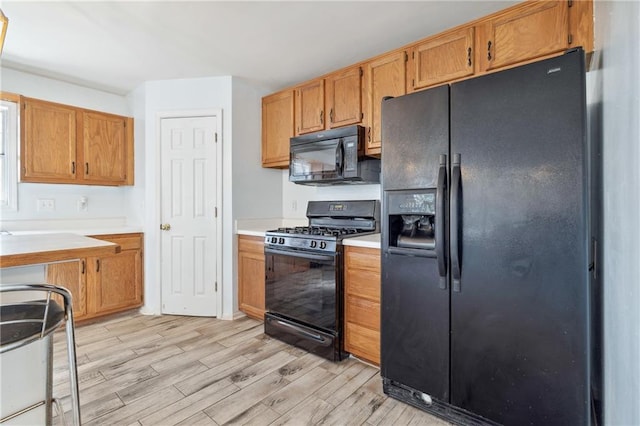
{"type": "Point", "coordinates": [46, 205]}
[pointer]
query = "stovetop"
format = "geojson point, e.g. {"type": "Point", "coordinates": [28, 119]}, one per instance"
{"type": "Point", "coordinates": [329, 223]}
{"type": "Point", "coordinates": [320, 230]}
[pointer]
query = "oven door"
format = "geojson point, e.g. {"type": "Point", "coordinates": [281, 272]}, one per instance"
{"type": "Point", "coordinates": [316, 161]}
{"type": "Point", "coordinates": [303, 287]}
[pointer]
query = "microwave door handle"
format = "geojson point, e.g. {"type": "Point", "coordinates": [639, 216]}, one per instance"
{"type": "Point", "coordinates": [339, 156]}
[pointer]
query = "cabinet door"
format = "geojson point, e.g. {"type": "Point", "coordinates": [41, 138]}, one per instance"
{"type": "Point", "coordinates": [344, 97]}
{"type": "Point", "coordinates": [443, 58]}
{"type": "Point", "coordinates": [362, 302]}
{"type": "Point", "coordinates": [251, 276]}
{"type": "Point", "coordinates": [104, 148]}
{"type": "Point", "coordinates": [277, 128]}
{"type": "Point", "coordinates": [48, 142]}
{"type": "Point", "coordinates": [385, 76]}
{"type": "Point", "coordinates": [116, 282]}
{"type": "Point", "coordinates": [72, 276]}
{"type": "Point", "coordinates": [310, 107]}
{"type": "Point", "coordinates": [536, 29]}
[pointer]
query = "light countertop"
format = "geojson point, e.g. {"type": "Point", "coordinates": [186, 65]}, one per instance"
{"type": "Point", "coordinates": [87, 227]}
{"type": "Point", "coordinates": [20, 250]}
{"type": "Point", "coordinates": [369, 241]}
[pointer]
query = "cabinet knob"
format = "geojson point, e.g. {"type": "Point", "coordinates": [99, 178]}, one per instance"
{"type": "Point", "coordinates": [165, 226]}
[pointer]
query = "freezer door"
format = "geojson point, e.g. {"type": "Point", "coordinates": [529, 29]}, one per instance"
{"type": "Point", "coordinates": [415, 132]}
{"type": "Point", "coordinates": [519, 235]}
{"type": "Point", "coordinates": [414, 325]}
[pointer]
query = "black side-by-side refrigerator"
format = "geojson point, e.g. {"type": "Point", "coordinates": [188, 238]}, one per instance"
{"type": "Point", "coordinates": [487, 268]}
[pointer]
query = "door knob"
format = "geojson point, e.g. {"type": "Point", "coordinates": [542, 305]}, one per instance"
{"type": "Point", "coordinates": [165, 226]}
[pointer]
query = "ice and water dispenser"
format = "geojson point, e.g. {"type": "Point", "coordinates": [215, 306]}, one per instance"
{"type": "Point", "coordinates": [412, 221]}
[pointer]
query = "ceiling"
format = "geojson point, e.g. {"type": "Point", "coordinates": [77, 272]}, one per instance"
{"type": "Point", "coordinates": [117, 45]}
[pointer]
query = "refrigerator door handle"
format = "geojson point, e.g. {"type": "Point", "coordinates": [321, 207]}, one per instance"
{"type": "Point", "coordinates": [456, 190]}
{"type": "Point", "coordinates": [440, 222]}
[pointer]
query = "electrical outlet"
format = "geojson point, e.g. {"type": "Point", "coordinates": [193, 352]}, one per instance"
{"type": "Point", "coordinates": [46, 205]}
{"type": "Point", "coordinates": [83, 204]}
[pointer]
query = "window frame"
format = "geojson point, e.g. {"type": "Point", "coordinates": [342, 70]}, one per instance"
{"type": "Point", "coordinates": [11, 151]}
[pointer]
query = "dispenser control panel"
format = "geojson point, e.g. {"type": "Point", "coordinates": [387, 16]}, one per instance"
{"type": "Point", "coordinates": [418, 203]}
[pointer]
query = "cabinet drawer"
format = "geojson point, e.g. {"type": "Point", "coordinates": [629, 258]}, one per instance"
{"type": "Point", "coordinates": [364, 284]}
{"type": "Point", "coordinates": [251, 244]}
{"type": "Point", "coordinates": [362, 258]}
{"type": "Point", "coordinates": [362, 342]}
{"type": "Point", "coordinates": [363, 312]}
{"type": "Point", "coordinates": [126, 241]}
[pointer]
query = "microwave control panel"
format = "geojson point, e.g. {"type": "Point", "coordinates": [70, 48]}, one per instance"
{"type": "Point", "coordinates": [350, 144]}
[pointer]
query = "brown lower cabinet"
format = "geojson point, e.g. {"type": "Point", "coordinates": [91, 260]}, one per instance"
{"type": "Point", "coordinates": [106, 284]}
{"type": "Point", "coordinates": [251, 276]}
{"type": "Point", "coordinates": [362, 302]}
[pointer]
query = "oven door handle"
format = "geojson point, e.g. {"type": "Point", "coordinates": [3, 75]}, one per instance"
{"type": "Point", "coordinates": [301, 332]}
{"type": "Point", "coordinates": [310, 256]}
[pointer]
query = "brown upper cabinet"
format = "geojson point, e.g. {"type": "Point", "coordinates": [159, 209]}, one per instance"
{"type": "Point", "coordinates": [344, 97]}
{"type": "Point", "coordinates": [384, 76]}
{"type": "Point", "coordinates": [310, 107]}
{"type": "Point", "coordinates": [442, 58]}
{"type": "Point", "coordinates": [277, 128]}
{"type": "Point", "coordinates": [48, 142]}
{"type": "Point", "coordinates": [531, 30]}
{"type": "Point", "coordinates": [104, 147]}
{"type": "Point", "coordinates": [65, 144]}
{"type": "Point", "coordinates": [526, 32]}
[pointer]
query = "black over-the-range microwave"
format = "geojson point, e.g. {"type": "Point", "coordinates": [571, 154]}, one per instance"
{"type": "Point", "coordinates": [332, 157]}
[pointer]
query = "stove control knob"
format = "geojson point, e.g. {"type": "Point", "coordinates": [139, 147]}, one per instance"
{"type": "Point", "coordinates": [281, 240]}
{"type": "Point", "coordinates": [313, 244]}
{"type": "Point", "coordinates": [323, 245]}
{"type": "Point", "coordinates": [274, 240]}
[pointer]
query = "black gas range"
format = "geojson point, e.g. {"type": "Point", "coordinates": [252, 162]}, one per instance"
{"type": "Point", "coordinates": [304, 275]}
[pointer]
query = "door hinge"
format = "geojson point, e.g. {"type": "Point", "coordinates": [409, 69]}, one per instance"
{"type": "Point", "coordinates": [215, 212]}
{"type": "Point", "coordinates": [570, 3]}
{"type": "Point", "coordinates": [216, 287]}
{"type": "Point", "coordinates": [216, 137]}
{"type": "Point", "coordinates": [570, 39]}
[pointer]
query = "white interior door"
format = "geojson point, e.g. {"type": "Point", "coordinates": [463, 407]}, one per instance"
{"type": "Point", "coordinates": [189, 258]}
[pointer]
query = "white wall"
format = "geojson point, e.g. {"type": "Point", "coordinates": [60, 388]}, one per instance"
{"type": "Point", "coordinates": [248, 191]}
{"type": "Point", "coordinates": [617, 34]}
{"type": "Point", "coordinates": [102, 201]}
{"type": "Point", "coordinates": [148, 101]}
{"type": "Point", "coordinates": [257, 192]}
{"type": "Point", "coordinates": [295, 197]}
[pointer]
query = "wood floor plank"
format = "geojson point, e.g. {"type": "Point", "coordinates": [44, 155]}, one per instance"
{"type": "Point", "coordinates": [182, 357]}
{"type": "Point", "coordinates": [154, 384]}
{"type": "Point", "coordinates": [199, 419]}
{"type": "Point", "coordinates": [170, 414]}
{"type": "Point", "coordinates": [164, 370]}
{"type": "Point", "coordinates": [138, 409]}
{"type": "Point", "coordinates": [295, 392]}
{"type": "Point", "coordinates": [237, 403]}
{"type": "Point", "coordinates": [200, 381]}
{"type": "Point", "coordinates": [257, 415]}
{"type": "Point", "coordinates": [355, 409]}
{"type": "Point", "coordinates": [338, 389]}
{"type": "Point", "coordinates": [155, 345]}
{"type": "Point", "coordinates": [310, 411]}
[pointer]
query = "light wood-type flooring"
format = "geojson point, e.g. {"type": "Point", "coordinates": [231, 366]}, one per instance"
{"type": "Point", "coordinates": [172, 370]}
